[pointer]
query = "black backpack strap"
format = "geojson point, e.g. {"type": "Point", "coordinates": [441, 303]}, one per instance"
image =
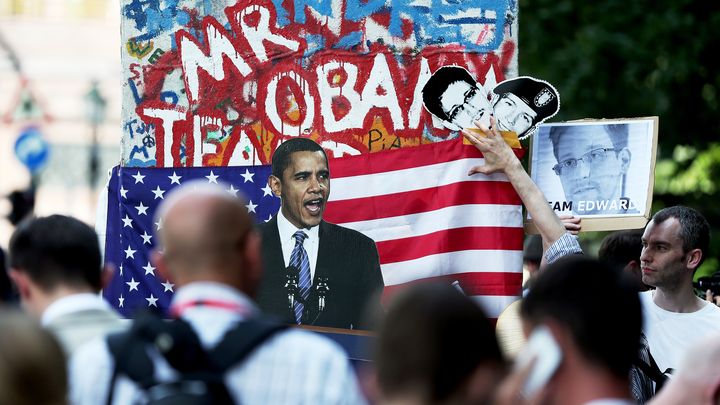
{"type": "Point", "coordinates": [174, 340]}
{"type": "Point", "coordinates": [178, 343]}
{"type": "Point", "coordinates": [240, 341]}
{"type": "Point", "coordinates": [652, 370]}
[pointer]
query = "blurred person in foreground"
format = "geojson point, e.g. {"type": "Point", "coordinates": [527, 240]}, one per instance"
{"type": "Point", "coordinates": [598, 337]}
{"type": "Point", "coordinates": [622, 249]}
{"type": "Point", "coordinates": [212, 253]}
{"type": "Point", "coordinates": [436, 346]}
{"type": "Point", "coordinates": [697, 379]}
{"type": "Point", "coordinates": [56, 264]}
{"type": "Point", "coordinates": [32, 363]}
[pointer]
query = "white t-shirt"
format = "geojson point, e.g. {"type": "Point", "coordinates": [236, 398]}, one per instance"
{"type": "Point", "coordinates": [671, 334]}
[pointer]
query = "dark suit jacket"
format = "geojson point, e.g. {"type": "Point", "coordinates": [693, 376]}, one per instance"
{"type": "Point", "coordinates": [349, 262]}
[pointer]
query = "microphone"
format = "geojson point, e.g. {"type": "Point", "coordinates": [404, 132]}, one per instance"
{"type": "Point", "coordinates": [322, 289]}
{"type": "Point", "coordinates": [291, 284]}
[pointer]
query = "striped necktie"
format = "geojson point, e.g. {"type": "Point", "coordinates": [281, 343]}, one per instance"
{"type": "Point", "coordinates": [299, 259]}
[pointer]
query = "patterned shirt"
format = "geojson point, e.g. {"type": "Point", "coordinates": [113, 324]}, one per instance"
{"type": "Point", "coordinates": [566, 245]}
{"type": "Point", "coordinates": [292, 367]}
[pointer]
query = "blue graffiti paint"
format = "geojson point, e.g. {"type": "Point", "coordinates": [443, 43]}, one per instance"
{"type": "Point", "coordinates": [154, 17]}
{"type": "Point", "coordinates": [140, 163]}
{"type": "Point", "coordinates": [349, 40]}
{"type": "Point", "coordinates": [139, 149]}
{"type": "Point", "coordinates": [443, 21]}
{"type": "Point", "coordinates": [129, 128]}
{"type": "Point", "coordinates": [282, 14]}
{"type": "Point", "coordinates": [134, 91]}
{"type": "Point", "coordinates": [169, 97]}
{"type": "Point", "coordinates": [323, 7]}
{"type": "Point", "coordinates": [315, 43]}
{"type": "Point", "coordinates": [356, 10]}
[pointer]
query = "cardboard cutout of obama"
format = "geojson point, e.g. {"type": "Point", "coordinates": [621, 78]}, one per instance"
{"type": "Point", "coordinates": [452, 95]}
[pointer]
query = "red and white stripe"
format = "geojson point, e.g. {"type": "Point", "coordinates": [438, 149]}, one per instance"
{"type": "Point", "coordinates": [431, 221]}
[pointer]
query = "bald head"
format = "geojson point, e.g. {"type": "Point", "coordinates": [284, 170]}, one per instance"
{"type": "Point", "coordinates": [207, 235]}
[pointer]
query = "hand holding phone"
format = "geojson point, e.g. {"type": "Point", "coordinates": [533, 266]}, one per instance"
{"type": "Point", "coordinates": [542, 347]}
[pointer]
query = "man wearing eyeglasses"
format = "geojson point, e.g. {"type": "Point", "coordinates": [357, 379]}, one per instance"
{"type": "Point", "coordinates": [592, 162]}
{"type": "Point", "coordinates": [519, 104]}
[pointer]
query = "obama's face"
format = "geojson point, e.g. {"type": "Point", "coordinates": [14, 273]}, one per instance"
{"type": "Point", "coordinates": [303, 189]}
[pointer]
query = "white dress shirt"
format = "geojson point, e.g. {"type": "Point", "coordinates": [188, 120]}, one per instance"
{"type": "Point", "coordinates": [287, 240]}
{"type": "Point", "coordinates": [291, 367]}
{"type": "Point", "coordinates": [71, 304]}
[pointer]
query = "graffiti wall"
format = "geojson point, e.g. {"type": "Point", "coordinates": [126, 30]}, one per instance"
{"type": "Point", "coordinates": [220, 82]}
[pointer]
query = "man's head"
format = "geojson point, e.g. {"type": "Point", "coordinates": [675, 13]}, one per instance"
{"type": "Point", "coordinates": [436, 346]}
{"type": "Point", "coordinates": [301, 178]}
{"type": "Point", "coordinates": [622, 249]}
{"type": "Point", "coordinates": [53, 256]}
{"type": "Point", "coordinates": [32, 363]}
{"type": "Point", "coordinates": [674, 245]}
{"type": "Point", "coordinates": [596, 334]}
{"type": "Point", "coordinates": [452, 95]}
{"type": "Point", "coordinates": [521, 103]}
{"type": "Point", "coordinates": [592, 161]}
{"type": "Point", "coordinates": [207, 235]}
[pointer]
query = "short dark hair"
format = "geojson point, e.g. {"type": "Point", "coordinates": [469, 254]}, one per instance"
{"type": "Point", "coordinates": [56, 250]}
{"type": "Point", "coordinates": [618, 136]}
{"type": "Point", "coordinates": [694, 228]}
{"type": "Point", "coordinates": [621, 247]}
{"type": "Point", "coordinates": [439, 82]}
{"type": "Point", "coordinates": [574, 292]}
{"type": "Point", "coordinates": [431, 341]}
{"type": "Point", "coordinates": [281, 157]}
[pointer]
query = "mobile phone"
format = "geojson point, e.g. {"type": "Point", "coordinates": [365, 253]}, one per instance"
{"type": "Point", "coordinates": [542, 347]}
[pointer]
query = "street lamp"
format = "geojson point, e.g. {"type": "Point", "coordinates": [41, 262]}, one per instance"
{"type": "Point", "coordinates": [96, 106]}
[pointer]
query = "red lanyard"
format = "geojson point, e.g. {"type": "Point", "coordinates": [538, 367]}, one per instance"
{"type": "Point", "coordinates": [179, 308]}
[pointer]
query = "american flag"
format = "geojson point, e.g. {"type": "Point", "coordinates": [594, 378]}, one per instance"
{"type": "Point", "coordinates": [429, 219]}
{"type": "Point", "coordinates": [133, 196]}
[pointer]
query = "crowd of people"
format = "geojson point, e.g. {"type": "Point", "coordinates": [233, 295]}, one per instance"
{"type": "Point", "coordinates": [624, 328]}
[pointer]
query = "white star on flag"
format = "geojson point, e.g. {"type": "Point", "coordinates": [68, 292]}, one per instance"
{"type": "Point", "coordinates": [269, 218]}
{"type": "Point", "coordinates": [141, 209]}
{"type": "Point", "coordinates": [175, 179]}
{"type": "Point", "coordinates": [146, 238]}
{"type": "Point", "coordinates": [149, 269]}
{"type": "Point", "coordinates": [158, 193]}
{"type": "Point", "coordinates": [212, 178]}
{"type": "Point", "coordinates": [251, 207]}
{"type": "Point", "coordinates": [123, 192]}
{"type": "Point", "coordinates": [138, 178]}
{"type": "Point", "coordinates": [133, 284]}
{"type": "Point", "coordinates": [267, 190]}
{"type": "Point", "coordinates": [247, 176]}
{"type": "Point", "coordinates": [135, 225]}
{"type": "Point", "coordinates": [130, 253]}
